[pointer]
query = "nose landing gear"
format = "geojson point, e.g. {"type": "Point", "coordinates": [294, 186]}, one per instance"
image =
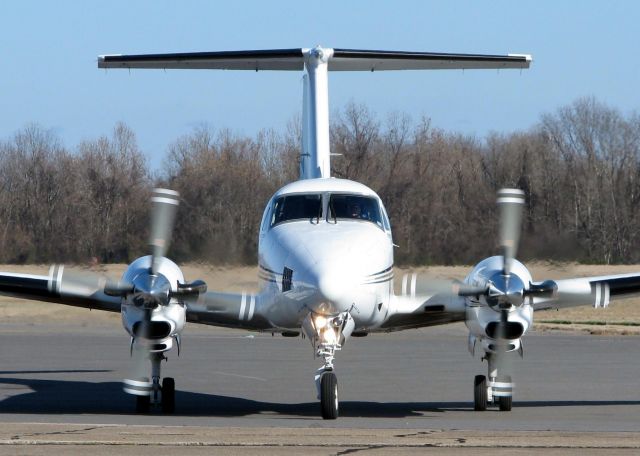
{"type": "Point", "coordinates": [328, 335]}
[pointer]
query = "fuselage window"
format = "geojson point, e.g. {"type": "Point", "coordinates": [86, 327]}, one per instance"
{"type": "Point", "coordinates": [296, 207]}
{"type": "Point", "coordinates": [354, 207]}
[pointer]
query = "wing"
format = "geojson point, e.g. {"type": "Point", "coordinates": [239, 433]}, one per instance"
{"type": "Point", "coordinates": [595, 291]}
{"type": "Point", "coordinates": [231, 310]}
{"type": "Point", "coordinates": [407, 312]}
{"type": "Point", "coordinates": [60, 287]}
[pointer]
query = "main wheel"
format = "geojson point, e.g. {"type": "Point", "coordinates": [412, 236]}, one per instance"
{"type": "Point", "coordinates": [168, 395]}
{"type": "Point", "coordinates": [143, 404]}
{"type": "Point", "coordinates": [504, 402]}
{"type": "Point", "coordinates": [480, 393]}
{"type": "Point", "coordinates": [329, 396]}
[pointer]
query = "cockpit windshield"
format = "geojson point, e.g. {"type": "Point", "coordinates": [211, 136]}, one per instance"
{"type": "Point", "coordinates": [342, 206]}
{"type": "Point", "coordinates": [296, 207]}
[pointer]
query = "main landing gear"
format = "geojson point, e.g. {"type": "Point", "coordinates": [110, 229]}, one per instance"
{"type": "Point", "coordinates": [153, 394]}
{"type": "Point", "coordinates": [497, 390]}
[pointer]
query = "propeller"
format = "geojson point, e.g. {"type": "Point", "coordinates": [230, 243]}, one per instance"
{"type": "Point", "coordinates": [147, 291]}
{"type": "Point", "coordinates": [510, 204]}
{"type": "Point", "coordinates": [503, 290]}
{"type": "Point", "coordinates": [164, 205]}
{"type": "Point", "coordinates": [151, 291]}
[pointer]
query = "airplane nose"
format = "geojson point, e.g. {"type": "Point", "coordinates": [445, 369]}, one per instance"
{"type": "Point", "coordinates": [336, 286]}
{"type": "Point", "coordinates": [332, 287]}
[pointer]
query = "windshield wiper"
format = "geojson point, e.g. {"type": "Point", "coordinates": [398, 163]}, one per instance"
{"type": "Point", "coordinates": [332, 211]}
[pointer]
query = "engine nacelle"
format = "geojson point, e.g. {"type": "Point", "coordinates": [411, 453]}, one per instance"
{"type": "Point", "coordinates": [484, 322]}
{"type": "Point", "coordinates": [166, 321]}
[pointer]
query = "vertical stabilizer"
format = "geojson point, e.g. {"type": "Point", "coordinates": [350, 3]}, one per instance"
{"type": "Point", "coordinates": [315, 160]}
{"type": "Point", "coordinates": [305, 154]}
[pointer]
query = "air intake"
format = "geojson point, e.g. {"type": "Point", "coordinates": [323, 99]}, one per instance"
{"type": "Point", "coordinates": [152, 330]}
{"type": "Point", "coordinates": [508, 330]}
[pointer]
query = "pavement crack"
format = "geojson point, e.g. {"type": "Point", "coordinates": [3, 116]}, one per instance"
{"type": "Point", "coordinates": [357, 450]}
{"type": "Point", "coordinates": [416, 434]}
{"type": "Point", "coordinates": [67, 432]}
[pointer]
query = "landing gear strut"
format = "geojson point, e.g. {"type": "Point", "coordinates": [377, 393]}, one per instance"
{"type": "Point", "coordinates": [498, 390]}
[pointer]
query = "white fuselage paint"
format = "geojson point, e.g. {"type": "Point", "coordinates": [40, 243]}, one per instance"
{"type": "Point", "coordinates": [343, 265]}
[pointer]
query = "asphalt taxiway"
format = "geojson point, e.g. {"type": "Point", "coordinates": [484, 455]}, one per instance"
{"type": "Point", "coordinates": [61, 385]}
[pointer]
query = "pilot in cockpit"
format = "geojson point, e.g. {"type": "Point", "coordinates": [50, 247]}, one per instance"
{"type": "Point", "coordinates": [355, 211]}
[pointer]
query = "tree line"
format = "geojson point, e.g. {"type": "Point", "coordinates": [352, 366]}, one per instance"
{"type": "Point", "coordinates": [578, 166]}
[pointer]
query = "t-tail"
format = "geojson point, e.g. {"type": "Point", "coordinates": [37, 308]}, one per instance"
{"type": "Point", "coordinates": [316, 63]}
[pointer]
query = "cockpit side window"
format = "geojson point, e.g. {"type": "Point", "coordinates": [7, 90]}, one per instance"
{"type": "Point", "coordinates": [385, 219]}
{"type": "Point", "coordinates": [296, 207]}
{"type": "Point", "coordinates": [358, 207]}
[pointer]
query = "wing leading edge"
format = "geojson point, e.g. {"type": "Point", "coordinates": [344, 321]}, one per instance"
{"type": "Point", "coordinates": [231, 310]}
{"type": "Point", "coordinates": [596, 291]}
{"type": "Point", "coordinates": [50, 288]}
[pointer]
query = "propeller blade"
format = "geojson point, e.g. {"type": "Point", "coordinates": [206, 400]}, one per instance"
{"type": "Point", "coordinates": [138, 382]}
{"type": "Point", "coordinates": [85, 283]}
{"type": "Point", "coordinates": [510, 202]}
{"type": "Point", "coordinates": [164, 205]}
{"type": "Point", "coordinates": [568, 292]}
{"type": "Point", "coordinates": [196, 287]}
{"type": "Point", "coordinates": [546, 289]}
{"type": "Point", "coordinates": [430, 286]}
{"type": "Point", "coordinates": [502, 356]}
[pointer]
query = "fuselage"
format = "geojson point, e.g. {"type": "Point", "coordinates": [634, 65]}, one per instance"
{"type": "Point", "coordinates": [325, 247]}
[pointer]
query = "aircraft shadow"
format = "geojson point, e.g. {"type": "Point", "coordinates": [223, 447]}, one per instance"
{"type": "Point", "coordinates": [43, 396]}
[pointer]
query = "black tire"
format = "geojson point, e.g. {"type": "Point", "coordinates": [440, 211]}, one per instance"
{"type": "Point", "coordinates": [505, 403]}
{"type": "Point", "coordinates": [143, 404]}
{"type": "Point", "coordinates": [329, 396]}
{"type": "Point", "coordinates": [480, 393]}
{"type": "Point", "coordinates": [168, 395]}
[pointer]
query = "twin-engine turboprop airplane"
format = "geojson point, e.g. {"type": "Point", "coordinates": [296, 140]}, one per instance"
{"type": "Point", "coordinates": [325, 254]}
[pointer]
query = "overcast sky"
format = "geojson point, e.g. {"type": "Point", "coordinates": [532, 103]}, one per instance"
{"type": "Point", "coordinates": [49, 72]}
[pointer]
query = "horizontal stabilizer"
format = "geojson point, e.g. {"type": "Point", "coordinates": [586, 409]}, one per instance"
{"type": "Point", "coordinates": [271, 59]}
{"type": "Point", "coordinates": [293, 60]}
{"type": "Point", "coordinates": [359, 60]}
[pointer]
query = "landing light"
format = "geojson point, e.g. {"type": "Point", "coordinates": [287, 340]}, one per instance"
{"type": "Point", "coordinates": [320, 322]}
{"type": "Point", "coordinates": [329, 335]}
{"type": "Point", "coordinates": [325, 329]}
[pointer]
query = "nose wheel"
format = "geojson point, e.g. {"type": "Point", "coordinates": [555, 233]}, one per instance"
{"type": "Point", "coordinates": [329, 396]}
